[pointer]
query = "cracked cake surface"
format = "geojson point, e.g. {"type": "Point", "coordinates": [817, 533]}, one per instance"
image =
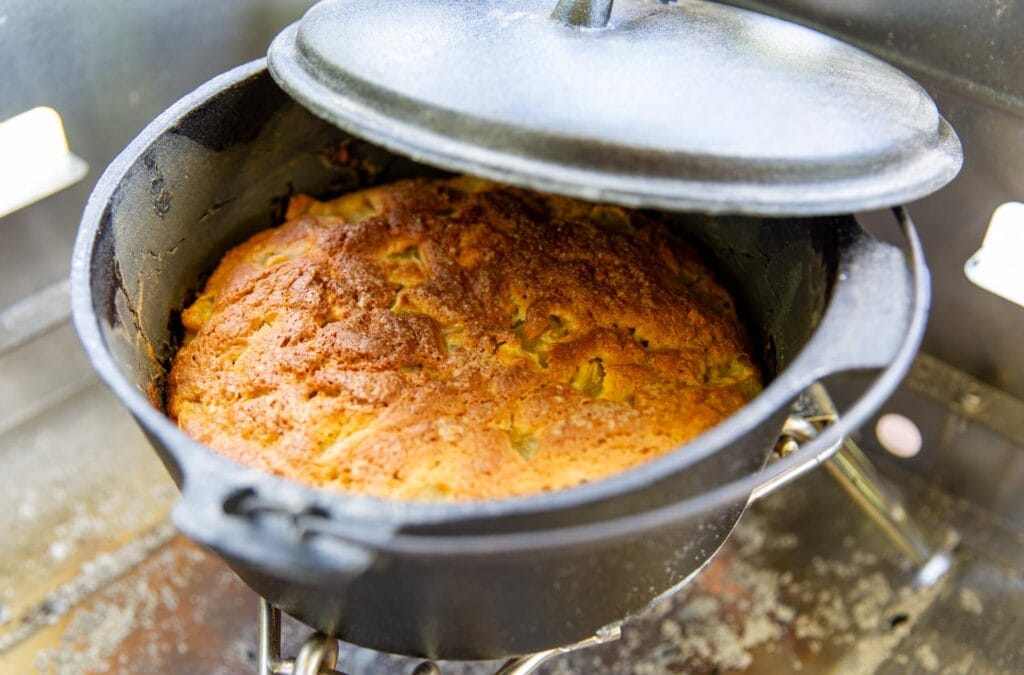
{"type": "Point", "coordinates": [458, 339]}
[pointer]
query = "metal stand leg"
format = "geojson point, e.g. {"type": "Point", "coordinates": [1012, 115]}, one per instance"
{"type": "Point", "coordinates": [269, 639]}
{"type": "Point", "coordinates": [317, 656]}
{"type": "Point", "coordinates": [524, 665]}
{"type": "Point", "coordinates": [861, 481]}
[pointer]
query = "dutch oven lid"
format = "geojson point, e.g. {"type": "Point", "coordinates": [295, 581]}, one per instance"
{"type": "Point", "coordinates": [689, 106]}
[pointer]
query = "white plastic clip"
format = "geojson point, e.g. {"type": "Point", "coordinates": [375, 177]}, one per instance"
{"type": "Point", "coordinates": [35, 161]}
{"type": "Point", "coordinates": [996, 266]}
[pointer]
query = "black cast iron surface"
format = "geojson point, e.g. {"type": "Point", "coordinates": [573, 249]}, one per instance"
{"type": "Point", "coordinates": [821, 296]}
{"type": "Point", "coordinates": [687, 105]}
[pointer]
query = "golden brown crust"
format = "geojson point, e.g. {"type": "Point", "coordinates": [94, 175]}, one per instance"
{"type": "Point", "coordinates": [457, 340]}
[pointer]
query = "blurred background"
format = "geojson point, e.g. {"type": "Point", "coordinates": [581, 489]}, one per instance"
{"type": "Point", "coordinates": [93, 577]}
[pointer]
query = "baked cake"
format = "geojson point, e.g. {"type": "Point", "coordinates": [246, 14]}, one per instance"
{"type": "Point", "coordinates": [458, 339]}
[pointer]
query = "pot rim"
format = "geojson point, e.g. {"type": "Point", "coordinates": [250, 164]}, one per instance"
{"type": "Point", "coordinates": [196, 459]}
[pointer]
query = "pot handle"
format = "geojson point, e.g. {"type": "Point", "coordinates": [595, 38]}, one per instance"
{"type": "Point", "coordinates": [878, 309]}
{"type": "Point", "coordinates": [238, 523]}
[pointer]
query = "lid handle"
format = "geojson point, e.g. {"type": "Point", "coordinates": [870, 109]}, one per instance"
{"type": "Point", "coordinates": [583, 13]}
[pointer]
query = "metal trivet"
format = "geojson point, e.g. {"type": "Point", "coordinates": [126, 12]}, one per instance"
{"type": "Point", "coordinates": [318, 655]}
{"type": "Point", "coordinates": [844, 461]}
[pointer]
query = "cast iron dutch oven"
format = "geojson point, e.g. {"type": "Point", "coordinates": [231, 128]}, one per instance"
{"type": "Point", "coordinates": [514, 576]}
